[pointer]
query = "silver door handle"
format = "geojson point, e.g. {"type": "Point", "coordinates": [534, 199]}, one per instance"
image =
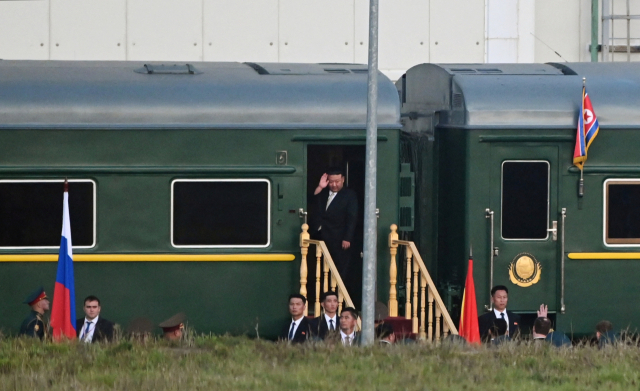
{"type": "Point", "coordinates": [554, 231]}
{"type": "Point", "coordinates": [302, 214]}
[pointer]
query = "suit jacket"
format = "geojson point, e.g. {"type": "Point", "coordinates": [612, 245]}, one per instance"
{"type": "Point", "coordinates": [356, 339]}
{"type": "Point", "coordinates": [319, 326]}
{"type": "Point", "coordinates": [339, 221]}
{"type": "Point", "coordinates": [102, 332]}
{"type": "Point", "coordinates": [485, 322]}
{"type": "Point", "coordinates": [302, 334]}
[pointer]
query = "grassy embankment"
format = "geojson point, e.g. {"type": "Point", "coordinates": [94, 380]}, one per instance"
{"type": "Point", "coordinates": [230, 363]}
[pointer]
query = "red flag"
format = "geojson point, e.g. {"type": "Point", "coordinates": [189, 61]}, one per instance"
{"type": "Point", "coordinates": [63, 313]}
{"type": "Point", "coordinates": [469, 329]}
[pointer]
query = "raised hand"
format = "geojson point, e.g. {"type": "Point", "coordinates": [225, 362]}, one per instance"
{"type": "Point", "coordinates": [542, 312]}
{"type": "Point", "coordinates": [324, 181]}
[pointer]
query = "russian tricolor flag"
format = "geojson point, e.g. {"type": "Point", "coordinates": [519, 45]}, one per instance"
{"type": "Point", "coordinates": [63, 312]}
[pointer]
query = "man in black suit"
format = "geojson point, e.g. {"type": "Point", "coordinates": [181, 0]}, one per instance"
{"type": "Point", "coordinates": [93, 328]}
{"type": "Point", "coordinates": [348, 322]}
{"type": "Point", "coordinates": [337, 217]}
{"type": "Point", "coordinates": [499, 298]}
{"type": "Point", "coordinates": [328, 322]}
{"type": "Point", "coordinates": [298, 329]}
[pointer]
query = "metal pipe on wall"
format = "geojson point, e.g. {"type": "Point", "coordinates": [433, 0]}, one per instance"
{"type": "Point", "coordinates": [606, 28]}
{"type": "Point", "coordinates": [370, 223]}
{"type": "Point", "coordinates": [594, 30]}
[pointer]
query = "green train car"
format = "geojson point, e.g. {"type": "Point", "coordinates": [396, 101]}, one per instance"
{"type": "Point", "coordinates": [492, 146]}
{"type": "Point", "coordinates": [186, 182]}
{"type": "Point", "coordinates": [189, 184]}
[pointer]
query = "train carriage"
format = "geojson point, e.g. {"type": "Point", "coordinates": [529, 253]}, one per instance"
{"type": "Point", "coordinates": [493, 145]}
{"type": "Point", "coordinates": [187, 182]}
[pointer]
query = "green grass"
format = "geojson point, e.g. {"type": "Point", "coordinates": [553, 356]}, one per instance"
{"type": "Point", "coordinates": [236, 363]}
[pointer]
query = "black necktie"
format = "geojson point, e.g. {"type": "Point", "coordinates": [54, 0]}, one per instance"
{"type": "Point", "coordinates": [293, 325]}
{"type": "Point", "coordinates": [331, 325]}
{"type": "Point", "coordinates": [502, 315]}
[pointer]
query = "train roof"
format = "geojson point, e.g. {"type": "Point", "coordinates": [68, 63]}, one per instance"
{"type": "Point", "coordinates": [518, 95]}
{"type": "Point", "coordinates": [202, 95]}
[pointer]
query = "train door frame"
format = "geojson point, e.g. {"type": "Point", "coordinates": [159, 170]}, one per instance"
{"type": "Point", "coordinates": [527, 266]}
{"type": "Point", "coordinates": [354, 179]}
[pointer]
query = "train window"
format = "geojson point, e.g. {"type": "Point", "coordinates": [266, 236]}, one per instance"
{"type": "Point", "coordinates": [525, 199]}
{"type": "Point", "coordinates": [220, 213]}
{"type": "Point", "coordinates": [31, 213]}
{"type": "Point", "coordinates": [622, 211]}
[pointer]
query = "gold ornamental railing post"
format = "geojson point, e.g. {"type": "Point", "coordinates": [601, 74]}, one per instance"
{"type": "Point", "coordinates": [340, 299]}
{"type": "Point", "coordinates": [430, 328]}
{"type": "Point", "coordinates": [407, 307]}
{"type": "Point", "coordinates": [318, 260]}
{"type": "Point", "coordinates": [438, 319]}
{"type": "Point", "coordinates": [423, 286]}
{"type": "Point", "coordinates": [416, 286]}
{"type": "Point", "coordinates": [393, 272]}
{"type": "Point", "coordinates": [304, 249]}
{"type": "Point", "coordinates": [326, 274]}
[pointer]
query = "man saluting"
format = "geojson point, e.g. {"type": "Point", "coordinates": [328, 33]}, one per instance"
{"type": "Point", "coordinates": [337, 218]}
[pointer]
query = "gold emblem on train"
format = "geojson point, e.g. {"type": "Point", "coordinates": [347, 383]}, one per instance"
{"type": "Point", "coordinates": [524, 270]}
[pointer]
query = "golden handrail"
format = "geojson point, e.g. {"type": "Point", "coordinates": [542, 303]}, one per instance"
{"type": "Point", "coordinates": [322, 253]}
{"type": "Point", "coordinates": [422, 286]}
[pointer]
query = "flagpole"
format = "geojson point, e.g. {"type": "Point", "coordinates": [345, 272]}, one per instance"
{"type": "Point", "coordinates": [581, 182]}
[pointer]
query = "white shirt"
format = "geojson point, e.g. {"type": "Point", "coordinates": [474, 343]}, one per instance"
{"type": "Point", "coordinates": [296, 323]}
{"type": "Point", "coordinates": [327, 318]}
{"type": "Point", "coordinates": [499, 316]}
{"type": "Point", "coordinates": [87, 336]}
{"type": "Point", "coordinates": [344, 336]}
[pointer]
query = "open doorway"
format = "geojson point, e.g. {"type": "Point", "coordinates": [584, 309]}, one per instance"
{"type": "Point", "coordinates": [351, 159]}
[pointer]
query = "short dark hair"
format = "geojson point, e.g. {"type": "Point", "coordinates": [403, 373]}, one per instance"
{"type": "Point", "coordinates": [542, 325]}
{"type": "Point", "coordinates": [298, 296]}
{"type": "Point", "coordinates": [326, 294]}
{"type": "Point", "coordinates": [351, 310]}
{"type": "Point", "coordinates": [604, 326]}
{"type": "Point", "coordinates": [499, 327]}
{"type": "Point", "coordinates": [91, 298]}
{"type": "Point", "coordinates": [383, 330]}
{"type": "Point", "coordinates": [498, 288]}
{"type": "Point", "coordinates": [335, 171]}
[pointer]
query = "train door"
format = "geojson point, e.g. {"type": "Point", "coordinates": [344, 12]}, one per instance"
{"type": "Point", "coordinates": [349, 158]}
{"type": "Point", "coordinates": [524, 221]}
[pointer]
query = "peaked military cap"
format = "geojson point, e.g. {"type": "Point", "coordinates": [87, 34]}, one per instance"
{"type": "Point", "coordinates": [35, 296]}
{"type": "Point", "coordinates": [174, 323]}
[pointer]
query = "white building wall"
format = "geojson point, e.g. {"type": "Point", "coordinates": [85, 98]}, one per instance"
{"type": "Point", "coordinates": [411, 31]}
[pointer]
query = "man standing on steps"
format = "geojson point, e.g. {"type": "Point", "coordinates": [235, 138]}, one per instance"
{"type": "Point", "coordinates": [329, 322]}
{"type": "Point", "coordinates": [337, 218]}
{"type": "Point", "coordinates": [499, 298]}
{"type": "Point", "coordinates": [93, 328]}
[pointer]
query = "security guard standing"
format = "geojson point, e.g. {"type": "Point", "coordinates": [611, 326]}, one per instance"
{"type": "Point", "coordinates": [33, 325]}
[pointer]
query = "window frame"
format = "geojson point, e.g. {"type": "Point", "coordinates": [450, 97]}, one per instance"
{"type": "Point", "coordinates": [269, 210]}
{"type": "Point", "coordinates": [502, 199]}
{"type": "Point", "coordinates": [605, 212]}
{"type": "Point", "coordinates": [95, 207]}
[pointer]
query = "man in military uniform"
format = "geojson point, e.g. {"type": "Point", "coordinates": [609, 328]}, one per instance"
{"type": "Point", "coordinates": [33, 325]}
{"type": "Point", "coordinates": [172, 327]}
